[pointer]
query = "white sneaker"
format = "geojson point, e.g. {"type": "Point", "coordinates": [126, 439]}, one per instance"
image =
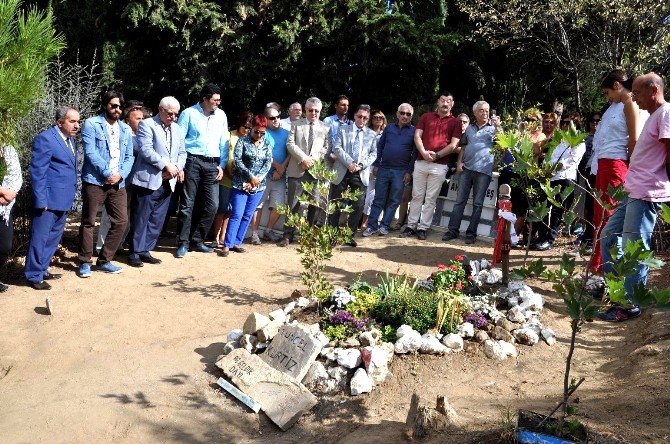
{"type": "Point", "coordinates": [369, 232]}
{"type": "Point", "coordinates": [255, 239]}
{"type": "Point", "coordinates": [383, 231]}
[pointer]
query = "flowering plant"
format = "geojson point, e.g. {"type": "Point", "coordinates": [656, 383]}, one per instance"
{"type": "Point", "coordinates": [349, 324]}
{"type": "Point", "coordinates": [450, 278]}
{"type": "Point", "coordinates": [342, 297]}
{"type": "Point", "coordinates": [477, 319]}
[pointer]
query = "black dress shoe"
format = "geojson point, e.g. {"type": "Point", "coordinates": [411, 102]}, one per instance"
{"type": "Point", "coordinates": [135, 262]}
{"type": "Point", "coordinates": [351, 243]}
{"type": "Point", "coordinates": [239, 249]}
{"type": "Point", "coordinates": [41, 285]}
{"type": "Point", "coordinates": [421, 234]}
{"type": "Point", "coordinates": [150, 259]}
{"type": "Point", "coordinates": [52, 276]}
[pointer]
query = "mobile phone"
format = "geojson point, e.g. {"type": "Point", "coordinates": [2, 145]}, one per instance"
{"type": "Point", "coordinates": [494, 113]}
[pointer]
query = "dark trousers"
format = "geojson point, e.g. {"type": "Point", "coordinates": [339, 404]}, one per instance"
{"type": "Point", "coordinates": [114, 199]}
{"type": "Point", "coordinates": [199, 201]}
{"type": "Point", "coordinates": [588, 210]}
{"type": "Point", "coordinates": [548, 230]}
{"type": "Point", "coordinates": [6, 238]}
{"type": "Point", "coordinates": [149, 210]}
{"type": "Point", "coordinates": [46, 231]}
{"type": "Point", "coordinates": [295, 190]}
{"type": "Point", "coordinates": [353, 181]}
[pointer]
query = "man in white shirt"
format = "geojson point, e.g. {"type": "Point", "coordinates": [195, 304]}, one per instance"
{"type": "Point", "coordinates": [294, 114]}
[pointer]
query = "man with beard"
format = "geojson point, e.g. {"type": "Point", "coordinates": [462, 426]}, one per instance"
{"type": "Point", "coordinates": [436, 136]}
{"type": "Point", "coordinates": [108, 159]}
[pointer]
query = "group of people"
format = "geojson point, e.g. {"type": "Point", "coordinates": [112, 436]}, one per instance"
{"type": "Point", "coordinates": [133, 164]}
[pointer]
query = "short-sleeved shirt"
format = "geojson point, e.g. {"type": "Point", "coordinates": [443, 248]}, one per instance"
{"type": "Point", "coordinates": [647, 178]}
{"type": "Point", "coordinates": [477, 143]}
{"type": "Point", "coordinates": [438, 131]}
{"type": "Point", "coordinates": [277, 140]}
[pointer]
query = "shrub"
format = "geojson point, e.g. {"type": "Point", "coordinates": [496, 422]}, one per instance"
{"type": "Point", "coordinates": [418, 310]}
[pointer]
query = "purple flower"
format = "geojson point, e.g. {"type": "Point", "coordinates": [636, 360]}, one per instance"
{"type": "Point", "coordinates": [342, 317]}
{"type": "Point", "coordinates": [477, 319]}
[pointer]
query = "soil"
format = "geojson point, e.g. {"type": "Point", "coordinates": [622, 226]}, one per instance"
{"type": "Point", "coordinates": [130, 357]}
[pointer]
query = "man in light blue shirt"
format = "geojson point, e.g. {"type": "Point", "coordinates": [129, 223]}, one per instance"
{"type": "Point", "coordinates": [206, 138]}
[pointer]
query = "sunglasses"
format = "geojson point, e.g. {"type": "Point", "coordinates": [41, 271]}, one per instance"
{"type": "Point", "coordinates": [358, 116]}
{"type": "Point", "coordinates": [273, 118]}
{"type": "Point", "coordinates": [378, 117]}
{"type": "Point", "coordinates": [259, 132]}
{"type": "Point", "coordinates": [403, 113]}
{"type": "Point", "coordinates": [114, 105]}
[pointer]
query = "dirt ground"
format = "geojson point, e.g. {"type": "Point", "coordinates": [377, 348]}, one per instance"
{"type": "Point", "coordinates": [130, 357]}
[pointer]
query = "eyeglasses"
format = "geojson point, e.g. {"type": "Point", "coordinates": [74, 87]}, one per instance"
{"type": "Point", "coordinates": [135, 108]}
{"type": "Point", "coordinates": [114, 105]}
{"type": "Point", "coordinates": [169, 114]}
{"type": "Point", "coordinates": [259, 132]}
{"type": "Point", "coordinates": [358, 116]}
{"type": "Point", "coordinates": [377, 117]}
{"type": "Point", "coordinates": [313, 110]}
{"type": "Point", "coordinates": [403, 113]}
{"type": "Point", "coordinates": [273, 118]}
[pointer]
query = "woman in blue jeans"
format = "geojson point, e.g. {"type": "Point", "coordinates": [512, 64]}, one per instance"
{"type": "Point", "coordinates": [253, 157]}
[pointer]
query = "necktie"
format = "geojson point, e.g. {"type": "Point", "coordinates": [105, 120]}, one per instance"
{"type": "Point", "coordinates": [310, 138]}
{"type": "Point", "coordinates": [68, 142]}
{"type": "Point", "coordinates": [357, 145]}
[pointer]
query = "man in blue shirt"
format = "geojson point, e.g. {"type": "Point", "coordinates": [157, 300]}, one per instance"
{"type": "Point", "coordinates": [207, 136]}
{"type": "Point", "coordinates": [275, 187]}
{"type": "Point", "coordinates": [393, 167]}
{"type": "Point", "coordinates": [474, 168]}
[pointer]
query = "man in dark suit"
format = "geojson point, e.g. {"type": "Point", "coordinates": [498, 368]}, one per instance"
{"type": "Point", "coordinates": [160, 162]}
{"type": "Point", "coordinates": [53, 172]}
{"type": "Point", "coordinates": [355, 150]}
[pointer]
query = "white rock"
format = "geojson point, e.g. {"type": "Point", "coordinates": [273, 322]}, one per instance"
{"type": "Point", "coordinates": [360, 383]}
{"type": "Point", "coordinates": [515, 314]}
{"type": "Point", "coordinates": [404, 329]}
{"type": "Point", "coordinates": [512, 301]}
{"type": "Point", "coordinates": [517, 285]}
{"type": "Point", "coordinates": [482, 276]}
{"type": "Point", "coordinates": [495, 276]}
{"type": "Point", "coordinates": [431, 345]}
{"type": "Point", "coordinates": [409, 342]}
{"type": "Point", "coordinates": [466, 330]}
{"type": "Point", "coordinates": [249, 342]}
{"type": "Point", "coordinates": [294, 322]}
{"type": "Point", "coordinates": [529, 300]}
{"type": "Point", "coordinates": [278, 315]}
{"type": "Point", "coordinates": [549, 336]}
{"type": "Point", "coordinates": [349, 358]}
{"type": "Point", "coordinates": [255, 321]}
{"type": "Point", "coordinates": [269, 331]}
{"type": "Point", "coordinates": [525, 336]}
{"type": "Point", "coordinates": [535, 325]}
{"type": "Point", "coordinates": [389, 347]}
{"type": "Point", "coordinates": [508, 349]}
{"type": "Point", "coordinates": [316, 373]}
{"type": "Point", "coordinates": [484, 263]}
{"type": "Point", "coordinates": [369, 337]}
{"type": "Point", "coordinates": [376, 361]}
{"type": "Point", "coordinates": [328, 353]}
{"type": "Point", "coordinates": [234, 335]}
{"type": "Point", "coordinates": [302, 302]}
{"type": "Point", "coordinates": [314, 328]}
{"type": "Point", "coordinates": [475, 267]}
{"type": "Point", "coordinates": [322, 338]}
{"type": "Point", "coordinates": [453, 341]}
{"type": "Point", "coordinates": [289, 307]}
{"type": "Point", "coordinates": [339, 374]}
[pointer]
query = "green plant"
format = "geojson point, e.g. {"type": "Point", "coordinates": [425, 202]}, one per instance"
{"type": "Point", "coordinates": [388, 334]}
{"type": "Point", "coordinates": [397, 284]}
{"type": "Point", "coordinates": [364, 302]}
{"type": "Point", "coordinates": [336, 332]}
{"type": "Point", "coordinates": [316, 242]}
{"type": "Point", "coordinates": [418, 310]}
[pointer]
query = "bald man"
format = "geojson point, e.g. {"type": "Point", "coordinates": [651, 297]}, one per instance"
{"type": "Point", "coordinates": [647, 185]}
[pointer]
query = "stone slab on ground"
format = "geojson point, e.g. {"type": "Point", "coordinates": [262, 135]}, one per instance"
{"type": "Point", "coordinates": [281, 397]}
{"type": "Point", "coordinates": [293, 350]}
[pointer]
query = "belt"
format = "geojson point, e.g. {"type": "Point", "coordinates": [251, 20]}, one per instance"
{"type": "Point", "coordinates": [204, 158]}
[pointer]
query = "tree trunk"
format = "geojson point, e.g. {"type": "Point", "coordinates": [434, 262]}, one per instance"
{"type": "Point", "coordinates": [578, 93]}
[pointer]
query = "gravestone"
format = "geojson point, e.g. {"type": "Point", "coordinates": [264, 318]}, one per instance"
{"type": "Point", "coordinates": [292, 350]}
{"type": "Point", "coordinates": [280, 396]}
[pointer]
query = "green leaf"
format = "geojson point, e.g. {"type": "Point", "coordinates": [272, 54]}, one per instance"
{"type": "Point", "coordinates": [574, 424]}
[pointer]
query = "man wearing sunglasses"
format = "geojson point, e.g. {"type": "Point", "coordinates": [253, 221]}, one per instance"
{"type": "Point", "coordinates": [108, 158]}
{"type": "Point", "coordinates": [205, 127]}
{"type": "Point", "coordinates": [308, 142]}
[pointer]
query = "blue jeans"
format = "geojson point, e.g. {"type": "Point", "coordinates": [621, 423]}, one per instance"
{"type": "Point", "coordinates": [243, 206]}
{"type": "Point", "coordinates": [632, 219]}
{"type": "Point", "coordinates": [388, 190]}
{"type": "Point", "coordinates": [479, 183]}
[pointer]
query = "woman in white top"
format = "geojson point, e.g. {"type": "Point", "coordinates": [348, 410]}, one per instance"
{"type": "Point", "coordinates": [567, 158]}
{"type": "Point", "coordinates": [377, 123]}
{"type": "Point", "coordinates": [613, 144]}
{"type": "Point", "coordinates": [10, 184]}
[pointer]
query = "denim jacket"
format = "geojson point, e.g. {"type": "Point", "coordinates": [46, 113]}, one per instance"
{"type": "Point", "coordinates": [95, 141]}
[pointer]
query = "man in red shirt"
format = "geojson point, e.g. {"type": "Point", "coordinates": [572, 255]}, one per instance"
{"type": "Point", "coordinates": [436, 137]}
